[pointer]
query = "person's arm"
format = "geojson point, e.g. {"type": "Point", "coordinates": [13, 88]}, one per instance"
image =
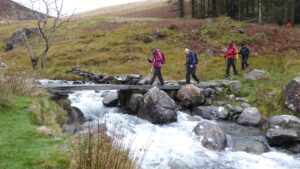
{"type": "Point", "coordinates": [151, 59]}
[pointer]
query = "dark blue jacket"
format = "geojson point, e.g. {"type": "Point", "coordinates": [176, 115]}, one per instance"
{"type": "Point", "coordinates": [190, 58]}
{"type": "Point", "coordinates": [244, 51]}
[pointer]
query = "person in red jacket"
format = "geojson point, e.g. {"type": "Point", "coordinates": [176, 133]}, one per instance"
{"type": "Point", "coordinates": [231, 59]}
{"type": "Point", "coordinates": [157, 60]}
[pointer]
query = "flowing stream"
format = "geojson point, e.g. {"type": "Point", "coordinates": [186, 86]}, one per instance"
{"type": "Point", "coordinates": [174, 146]}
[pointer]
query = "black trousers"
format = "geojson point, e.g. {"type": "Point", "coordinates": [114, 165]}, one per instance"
{"type": "Point", "coordinates": [231, 62]}
{"type": "Point", "coordinates": [245, 62]}
{"type": "Point", "coordinates": [191, 71]}
{"type": "Point", "coordinates": [157, 73]}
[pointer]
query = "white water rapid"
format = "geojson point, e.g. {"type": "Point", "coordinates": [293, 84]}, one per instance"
{"type": "Point", "coordinates": [174, 146]}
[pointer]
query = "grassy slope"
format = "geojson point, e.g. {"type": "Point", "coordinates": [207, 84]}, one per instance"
{"type": "Point", "coordinates": [21, 147]}
{"type": "Point", "coordinates": [102, 45]}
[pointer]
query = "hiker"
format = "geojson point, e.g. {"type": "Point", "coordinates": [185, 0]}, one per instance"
{"type": "Point", "coordinates": [289, 25]}
{"type": "Point", "coordinates": [231, 59]}
{"type": "Point", "coordinates": [191, 65]}
{"type": "Point", "coordinates": [244, 52]}
{"type": "Point", "coordinates": [157, 60]}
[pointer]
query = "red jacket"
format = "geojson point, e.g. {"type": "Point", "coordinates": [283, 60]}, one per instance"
{"type": "Point", "coordinates": [158, 59]}
{"type": "Point", "coordinates": [231, 52]}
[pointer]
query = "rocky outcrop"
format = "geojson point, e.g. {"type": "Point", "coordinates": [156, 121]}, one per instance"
{"type": "Point", "coordinates": [19, 37]}
{"type": "Point", "coordinates": [235, 87]}
{"type": "Point", "coordinates": [190, 96]}
{"type": "Point", "coordinates": [212, 136]}
{"type": "Point", "coordinates": [283, 130]}
{"type": "Point", "coordinates": [292, 95]}
{"type": "Point", "coordinates": [111, 99]}
{"type": "Point", "coordinates": [157, 107]}
{"type": "Point", "coordinates": [255, 74]}
{"type": "Point", "coordinates": [211, 112]}
{"type": "Point", "coordinates": [250, 116]}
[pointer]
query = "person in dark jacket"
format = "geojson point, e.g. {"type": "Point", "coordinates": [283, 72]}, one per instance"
{"type": "Point", "coordinates": [244, 52]}
{"type": "Point", "coordinates": [191, 64]}
{"type": "Point", "coordinates": [157, 60]}
{"type": "Point", "coordinates": [231, 59]}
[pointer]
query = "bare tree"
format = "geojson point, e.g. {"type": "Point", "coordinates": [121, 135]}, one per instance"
{"type": "Point", "coordinates": [47, 25]}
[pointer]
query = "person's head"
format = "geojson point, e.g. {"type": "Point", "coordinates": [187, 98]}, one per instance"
{"type": "Point", "coordinates": [153, 49]}
{"type": "Point", "coordinates": [186, 51]}
{"type": "Point", "coordinates": [243, 44]}
{"type": "Point", "coordinates": [230, 44]}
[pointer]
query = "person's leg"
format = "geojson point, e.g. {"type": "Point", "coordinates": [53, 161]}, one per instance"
{"type": "Point", "coordinates": [194, 74]}
{"type": "Point", "coordinates": [187, 75]}
{"type": "Point", "coordinates": [234, 67]}
{"type": "Point", "coordinates": [160, 77]}
{"type": "Point", "coordinates": [154, 76]}
{"type": "Point", "coordinates": [228, 67]}
{"type": "Point", "coordinates": [243, 62]}
{"type": "Point", "coordinates": [246, 61]}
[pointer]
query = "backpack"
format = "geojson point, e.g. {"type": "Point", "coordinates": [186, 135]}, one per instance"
{"type": "Point", "coordinates": [196, 58]}
{"type": "Point", "coordinates": [160, 57]}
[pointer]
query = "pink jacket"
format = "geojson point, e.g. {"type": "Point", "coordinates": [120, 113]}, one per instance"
{"type": "Point", "coordinates": [158, 59]}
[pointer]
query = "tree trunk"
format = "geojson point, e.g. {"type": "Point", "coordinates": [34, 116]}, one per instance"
{"type": "Point", "coordinates": [293, 12]}
{"type": "Point", "coordinates": [214, 8]}
{"type": "Point", "coordinates": [181, 8]}
{"type": "Point", "coordinates": [260, 21]}
{"type": "Point", "coordinates": [193, 9]}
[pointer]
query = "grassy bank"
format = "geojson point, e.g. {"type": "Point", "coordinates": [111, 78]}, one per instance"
{"type": "Point", "coordinates": [22, 147]}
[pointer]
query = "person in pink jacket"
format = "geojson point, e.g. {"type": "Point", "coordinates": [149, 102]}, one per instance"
{"type": "Point", "coordinates": [157, 60]}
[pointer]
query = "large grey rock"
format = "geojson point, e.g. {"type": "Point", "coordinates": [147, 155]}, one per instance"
{"type": "Point", "coordinates": [45, 131]}
{"type": "Point", "coordinates": [284, 121]}
{"type": "Point", "coordinates": [157, 107]}
{"type": "Point", "coordinates": [212, 136]}
{"type": "Point", "coordinates": [284, 130]}
{"type": "Point", "coordinates": [111, 99]}
{"type": "Point", "coordinates": [134, 103]}
{"type": "Point", "coordinates": [190, 96]}
{"type": "Point", "coordinates": [248, 145]}
{"type": "Point", "coordinates": [250, 116]}
{"type": "Point", "coordinates": [283, 137]}
{"type": "Point", "coordinates": [235, 87]}
{"type": "Point", "coordinates": [209, 92]}
{"type": "Point", "coordinates": [255, 74]}
{"type": "Point", "coordinates": [245, 105]}
{"type": "Point", "coordinates": [3, 65]}
{"type": "Point", "coordinates": [19, 37]}
{"type": "Point", "coordinates": [211, 112]}
{"type": "Point", "coordinates": [292, 95]}
{"type": "Point", "coordinates": [209, 52]}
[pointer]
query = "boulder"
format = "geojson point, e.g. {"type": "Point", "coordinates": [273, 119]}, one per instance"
{"type": "Point", "coordinates": [211, 112]}
{"type": "Point", "coordinates": [45, 131]}
{"type": "Point", "coordinates": [209, 52]}
{"type": "Point", "coordinates": [235, 87]}
{"type": "Point", "coordinates": [255, 74]}
{"type": "Point", "coordinates": [245, 105]}
{"type": "Point", "coordinates": [74, 115]}
{"type": "Point", "coordinates": [284, 130]}
{"type": "Point", "coordinates": [190, 96]}
{"type": "Point", "coordinates": [292, 96]}
{"type": "Point", "coordinates": [248, 145]}
{"type": "Point", "coordinates": [209, 92]}
{"type": "Point", "coordinates": [134, 103]}
{"type": "Point", "coordinates": [111, 99]}
{"type": "Point", "coordinates": [284, 121]}
{"type": "Point", "coordinates": [250, 116]}
{"type": "Point", "coordinates": [295, 148]}
{"type": "Point", "coordinates": [283, 137]}
{"type": "Point", "coordinates": [212, 136]}
{"type": "Point", "coordinates": [69, 129]}
{"type": "Point", "coordinates": [3, 65]}
{"type": "Point", "coordinates": [157, 107]}
{"type": "Point", "coordinates": [237, 110]}
{"type": "Point", "coordinates": [18, 37]}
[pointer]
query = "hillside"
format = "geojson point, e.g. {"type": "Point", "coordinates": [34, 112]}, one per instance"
{"type": "Point", "coordinates": [148, 8]}
{"type": "Point", "coordinates": [12, 10]}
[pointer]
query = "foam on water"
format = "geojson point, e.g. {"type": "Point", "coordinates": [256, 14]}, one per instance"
{"type": "Point", "coordinates": [174, 146]}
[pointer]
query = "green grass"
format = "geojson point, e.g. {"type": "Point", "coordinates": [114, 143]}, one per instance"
{"type": "Point", "coordinates": [21, 147]}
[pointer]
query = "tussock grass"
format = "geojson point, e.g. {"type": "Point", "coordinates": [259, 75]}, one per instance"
{"type": "Point", "coordinates": [101, 152]}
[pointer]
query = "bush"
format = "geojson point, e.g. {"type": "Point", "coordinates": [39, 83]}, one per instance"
{"type": "Point", "coordinates": [102, 152]}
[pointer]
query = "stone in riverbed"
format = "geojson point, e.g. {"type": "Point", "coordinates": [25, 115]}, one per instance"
{"type": "Point", "coordinates": [111, 99]}
{"type": "Point", "coordinates": [250, 116]}
{"type": "Point", "coordinates": [292, 95]}
{"type": "Point", "coordinates": [248, 145]}
{"type": "Point", "coordinates": [212, 136]}
{"type": "Point", "coordinates": [157, 107]}
{"type": "Point", "coordinates": [190, 96]}
{"type": "Point", "coordinates": [134, 103]}
{"type": "Point", "coordinates": [211, 112]}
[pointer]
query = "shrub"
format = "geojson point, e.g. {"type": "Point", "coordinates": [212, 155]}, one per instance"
{"type": "Point", "coordinates": [102, 152]}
